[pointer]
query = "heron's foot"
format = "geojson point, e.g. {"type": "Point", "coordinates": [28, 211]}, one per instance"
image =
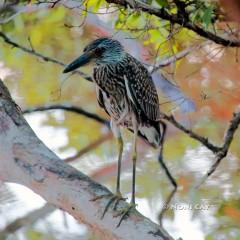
{"type": "Point", "coordinates": [124, 213]}
{"type": "Point", "coordinates": [114, 199]}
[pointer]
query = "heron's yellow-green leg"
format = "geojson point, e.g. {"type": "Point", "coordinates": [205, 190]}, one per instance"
{"type": "Point", "coordinates": [125, 212]}
{"type": "Point", "coordinates": [120, 149]}
{"type": "Point", "coordinates": [117, 196]}
{"type": "Point", "coordinates": [134, 159]}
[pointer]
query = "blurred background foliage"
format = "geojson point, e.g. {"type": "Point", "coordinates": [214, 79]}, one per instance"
{"type": "Point", "coordinates": [207, 81]}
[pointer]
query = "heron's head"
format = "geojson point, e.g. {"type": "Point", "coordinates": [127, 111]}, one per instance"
{"type": "Point", "coordinates": [101, 51]}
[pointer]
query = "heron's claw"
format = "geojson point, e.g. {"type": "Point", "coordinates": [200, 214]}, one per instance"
{"type": "Point", "coordinates": [124, 213]}
{"type": "Point", "coordinates": [102, 196]}
{"type": "Point", "coordinates": [113, 199]}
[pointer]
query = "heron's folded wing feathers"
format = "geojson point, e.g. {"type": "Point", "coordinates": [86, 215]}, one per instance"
{"type": "Point", "coordinates": [141, 90]}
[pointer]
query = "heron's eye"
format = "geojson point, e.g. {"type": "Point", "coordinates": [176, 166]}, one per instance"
{"type": "Point", "coordinates": [99, 51]}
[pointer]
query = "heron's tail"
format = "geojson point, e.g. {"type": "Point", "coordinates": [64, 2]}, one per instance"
{"type": "Point", "coordinates": [152, 134]}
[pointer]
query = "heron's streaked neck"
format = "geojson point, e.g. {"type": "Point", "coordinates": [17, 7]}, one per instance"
{"type": "Point", "coordinates": [111, 59]}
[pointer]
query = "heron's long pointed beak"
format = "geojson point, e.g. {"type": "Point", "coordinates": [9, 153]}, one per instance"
{"type": "Point", "coordinates": [80, 61]}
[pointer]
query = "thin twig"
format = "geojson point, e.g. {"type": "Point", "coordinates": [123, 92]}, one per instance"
{"type": "Point", "coordinates": [89, 147]}
{"type": "Point", "coordinates": [28, 219]}
{"type": "Point", "coordinates": [39, 55]}
{"type": "Point", "coordinates": [233, 126]}
{"type": "Point", "coordinates": [70, 108]}
{"type": "Point", "coordinates": [191, 134]}
{"type": "Point", "coordinates": [169, 60]}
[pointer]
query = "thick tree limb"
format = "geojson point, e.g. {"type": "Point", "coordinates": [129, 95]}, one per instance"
{"type": "Point", "coordinates": [24, 159]}
{"type": "Point", "coordinates": [45, 210]}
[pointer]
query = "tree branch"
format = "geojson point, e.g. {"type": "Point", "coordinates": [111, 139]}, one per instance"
{"type": "Point", "coordinates": [93, 116]}
{"type": "Point", "coordinates": [177, 19]}
{"type": "Point", "coordinates": [181, 18]}
{"type": "Point", "coordinates": [39, 55]}
{"type": "Point", "coordinates": [69, 108]}
{"type": "Point", "coordinates": [169, 60]}
{"type": "Point", "coordinates": [191, 134]}
{"type": "Point", "coordinates": [233, 126]}
{"type": "Point", "coordinates": [45, 210]}
{"type": "Point", "coordinates": [25, 160]}
{"type": "Point", "coordinates": [90, 147]}
{"type": "Point", "coordinates": [27, 220]}
{"type": "Point", "coordinates": [219, 151]}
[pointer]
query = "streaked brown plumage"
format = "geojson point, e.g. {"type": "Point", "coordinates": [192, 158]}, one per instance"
{"type": "Point", "coordinates": [125, 90]}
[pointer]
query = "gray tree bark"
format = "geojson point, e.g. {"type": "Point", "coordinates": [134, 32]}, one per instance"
{"type": "Point", "coordinates": [24, 159]}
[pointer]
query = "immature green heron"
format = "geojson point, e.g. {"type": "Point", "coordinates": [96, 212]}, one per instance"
{"type": "Point", "coordinates": [125, 90]}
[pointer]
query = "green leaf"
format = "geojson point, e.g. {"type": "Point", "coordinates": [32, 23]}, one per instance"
{"type": "Point", "coordinates": [207, 16]}
{"type": "Point", "coordinates": [136, 20]}
{"type": "Point", "coordinates": [162, 3]}
{"type": "Point", "coordinates": [156, 36]}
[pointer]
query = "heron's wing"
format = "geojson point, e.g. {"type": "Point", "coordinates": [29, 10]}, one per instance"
{"type": "Point", "coordinates": [141, 89]}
